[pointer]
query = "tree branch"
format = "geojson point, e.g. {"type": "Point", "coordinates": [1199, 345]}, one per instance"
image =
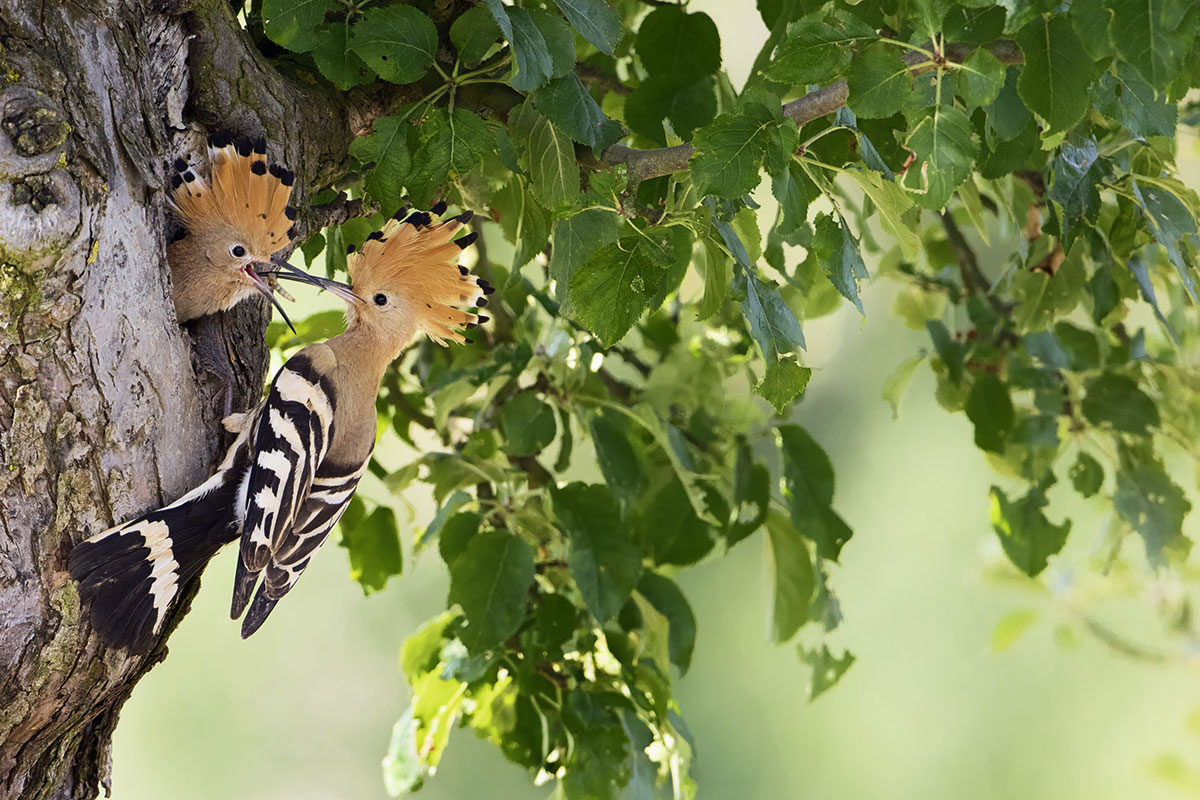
{"type": "Point", "coordinates": [974, 281]}
{"type": "Point", "coordinates": [646, 164]}
{"type": "Point", "coordinates": [338, 211]}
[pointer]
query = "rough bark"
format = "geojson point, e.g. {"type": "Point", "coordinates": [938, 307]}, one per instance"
{"type": "Point", "coordinates": [103, 413]}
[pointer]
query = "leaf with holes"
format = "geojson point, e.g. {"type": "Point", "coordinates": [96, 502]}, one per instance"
{"type": "Point", "coordinates": [612, 289]}
{"type": "Point", "coordinates": [398, 42]}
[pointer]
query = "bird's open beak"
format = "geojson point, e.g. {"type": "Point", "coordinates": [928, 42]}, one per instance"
{"type": "Point", "coordinates": [285, 271]}
{"type": "Point", "coordinates": [265, 288]}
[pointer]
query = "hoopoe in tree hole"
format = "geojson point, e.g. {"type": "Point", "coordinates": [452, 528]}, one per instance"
{"type": "Point", "coordinates": [299, 454]}
{"type": "Point", "coordinates": [233, 223]}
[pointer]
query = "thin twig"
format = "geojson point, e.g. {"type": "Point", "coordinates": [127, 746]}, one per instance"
{"type": "Point", "coordinates": [974, 281]}
{"type": "Point", "coordinates": [646, 164]}
{"type": "Point", "coordinates": [340, 210]}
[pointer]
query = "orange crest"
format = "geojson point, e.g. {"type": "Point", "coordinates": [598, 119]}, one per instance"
{"type": "Point", "coordinates": [418, 260]}
{"type": "Point", "coordinates": [242, 191]}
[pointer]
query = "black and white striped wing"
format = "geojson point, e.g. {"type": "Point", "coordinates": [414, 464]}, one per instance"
{"type": "Point", "coordinates": [291, 439]}
{"type": "Point", "coordinates": [328, 499]}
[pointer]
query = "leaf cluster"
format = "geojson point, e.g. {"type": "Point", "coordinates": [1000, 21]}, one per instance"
{"type": "Point", "coordinates": [1009, 166]}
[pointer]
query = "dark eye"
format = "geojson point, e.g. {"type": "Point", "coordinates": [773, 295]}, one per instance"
{"type": "Point", "coordinates": [237, 251]}
{"type": "Point", "coordinates": [381, 299]}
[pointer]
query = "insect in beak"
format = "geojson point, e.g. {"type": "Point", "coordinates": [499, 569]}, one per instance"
{"type": "Point", "coordinates": [265, 288]}
{"type": "Point", "coordinates": [282, 270]}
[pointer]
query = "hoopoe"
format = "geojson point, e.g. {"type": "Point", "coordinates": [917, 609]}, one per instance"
{"type": "Point", "coordinates": [234, 222]}
{"type": "Point", "coordinates": [299, 455]}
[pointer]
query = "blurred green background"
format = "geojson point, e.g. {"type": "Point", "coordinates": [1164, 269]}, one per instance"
{"type": "Point", "coordinates": [934, 707]}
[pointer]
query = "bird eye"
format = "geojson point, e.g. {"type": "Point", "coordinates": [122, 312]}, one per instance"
{"type": "Point", "coordinates": [237, 251]}
{"type": "Point", "coordinates": [381, 299]}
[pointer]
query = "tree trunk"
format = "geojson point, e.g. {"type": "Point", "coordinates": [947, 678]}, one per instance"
{"type": "Point", "coordinates": [102, 413]}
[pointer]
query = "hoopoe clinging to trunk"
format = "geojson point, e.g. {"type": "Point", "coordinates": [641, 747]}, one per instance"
{"type": "Point", "coordinates": [234, 222]}
{"type": "Point", "coordinates": [299, 455]}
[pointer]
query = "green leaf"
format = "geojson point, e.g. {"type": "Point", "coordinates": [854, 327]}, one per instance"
{"type": "Point", "coordinates": [292, 23]}
{"type": "Point", "coordinates": [975, 25]}
{"type": "Point", "coordinates": [773, 324]}
{"type": "Point", "coordinates": [616, 456]}
{"type": "Point", "coordinates": [795, 190]}
{"type": "Point", "coordinates": [599, 764]}
{"type": "Point", "coordinates": [1124, 96]}
{"type": "Point", "coordinates": [403, 770]}
{"type": "Point", "coordinates": [1011, 627]}
{"type": "Point", "coordinates": [373, 542]}
{"type": "Point", "coordinates": [421, 651]}
{"type": "Point", "coordinates": [398, 42]}
{"type": "Point", "coordinates": [547, 155]}
{"type": "Point", "coordinates": [1042, 299]}
{"type": "Point", "coordinates": [567, 103]}
{"type": "Point", "coordinates": [387, 150]}
{"type": "Point", "coordinates": [673, 42]}
{"type": "Point", "coordinates": [1117, 401]}
{"type": "Point", "coordinates": [604, 563]}
{"type": "Point", "coordinates": [1091, 21]}
{"type": "Point", "coordinates": [1028, 538]}
{"type": "Point", "coordinates": [1057, 71]}
{"type": "Point", "coordinates": [1074, 190]}
{"type": "Point", "coordinates": [981, 78]}
{"type": "Point", "coordinates": [1155, 507]}
{"type": "Point", "coordinates": [718, 274]}
{"type": "Point", "coordinates": [944, 155]}
{"type": "Point", "coordinates": [808, 485]}
{"type": "Point", "coordinates": [491, 580]}
{"type": "Point", "coordinates": [337, 61]}
{"type": "Point", "coordinates": [532, 53]}
{"type": "Point", "coordinates": [784, 381]}
{"type": "Point", "coordinates": [666, 596]}
{"type": "Point", "coordinates": [435, 707]}
{"type": "Point", "coordinates": [1087, 476]}
{"type": "Point", "coordinates": [670, 530]}
{"type": "Point", "coordinates": [576, 238]}
{"type": "Point", "coordinates": [688, 105]}
{"type": "Point", "coordinates": [836, 250]}
{"type": "Point", "coordinates": [455, 534]}
{"type": "Point", "coordinates": [990, 409]}
{"type": "Point", "coordinates": [523, 220]}
{"type": "Point", "coordinates": [897, 382]}
{"type": "Point", "coordinates": [560, 41]}
{"type": "Point", "coordinates": [450, 146]}
{"type": "Point", "coordinates": [595, 20]}
{"type": "Point", "coordinates": [827, 669]}
{"type": "Point", "coordinates": [528, 425]}
{"type": "Point", "coordinates": [897, 214]}
{"type": "Point", "coordinates": [1149, 36]}
{"type": "Point", "coordinates": [1172, 224]}
{"type": "Point", "coordinates": [611, 290]}
{"type": "Point", "coordinates": [1007, 117]}
{"type": "Point", "coordinates": [879, 82]}
{"type": "Point", "coordinates": [813, 53]}
{"type": "Point", "coordinates": [751, 497]}
{"type": "Point", "coordinates": [730, 151]}
{"type": "Point", "coordinates": [792, 570]}
{"type": "Point", "coordinates": [473, 34]}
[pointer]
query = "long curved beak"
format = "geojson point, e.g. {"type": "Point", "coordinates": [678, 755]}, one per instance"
{"type": "Point", "coordinates": [265, 288]}
{"type": "Point", "coordinates": [282, 270]}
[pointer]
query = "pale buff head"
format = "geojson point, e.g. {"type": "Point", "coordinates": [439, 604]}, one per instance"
{"type": "Point", "coordinates": [234, 221]}
{"type": "Point", "coordinates": [406, 281]}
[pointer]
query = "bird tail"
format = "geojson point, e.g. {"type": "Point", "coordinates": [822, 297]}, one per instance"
{"type": "Point", "coordinates": [130, 575]}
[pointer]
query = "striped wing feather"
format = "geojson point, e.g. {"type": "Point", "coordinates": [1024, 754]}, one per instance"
{"type": "Point", "coordinates": [287, 485]}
